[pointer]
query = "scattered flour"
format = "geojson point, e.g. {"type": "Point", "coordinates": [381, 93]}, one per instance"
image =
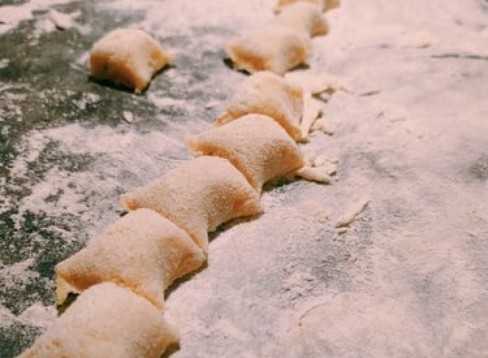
{"type": "Point", "coordinates": [267, 281]}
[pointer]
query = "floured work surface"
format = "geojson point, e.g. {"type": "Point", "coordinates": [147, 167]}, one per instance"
{"type": "Point", "coordinates": [406, 277]}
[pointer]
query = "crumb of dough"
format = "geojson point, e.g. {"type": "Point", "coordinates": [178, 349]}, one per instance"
{"type": "Point", "coordinates": [142, 251]}
{"type": "Point", "coordinates": [127, 56]}
{"type": "Point", "coordinates": [255, 144]}
{"type": "Point", "coordinates": [352, 213]}
{"type": "Point", "coordinates": [312, 109]}
{"type": "Point", "coordinates": [198, 196]}
{"type": "Point", "coordinates": [319, 175]}
{"type": "Point", "coordinates": [268, 94]}
{"type": "Point", "coordinates": [272, 47]}
{"type": "Point", "coordinates": [317, 83]}
{"type": "Point", "coordinates": [322, 126]}
{"type": "Point", "coordinates": [325, 5]}
{"type": "Point", "coordinates": [128, 116]}
{"type": "Point", "coordinates": [60, 20]}
{"type": "Point", "coordinates": [106, 321]}
{"type": "Point", "coordinates": [304, 16]}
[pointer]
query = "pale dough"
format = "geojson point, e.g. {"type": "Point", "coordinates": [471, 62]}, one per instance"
{"type": "Point", "coordinates": [352, 213]}
{"type": "Point", "coordinates": [316, 83]}
{"type": "Point", "coordinates": [269, 94]}
{"type": "Point", "coordinates": [257, 145]}
{"type": "Point", "coordinates": [143, 251]}
{"type": "Point", "coordinates": [106, 321]}
{"type": "Point", "coordinates": [273, 47]}
{"type": "Point", "coordinates": [60, 20]}
{"type": "Point", "coordinates": [312, 109]}
{"type": "Point", "coordinates": [198, 196]}
{"type": "Point", "coordinates": [316, 174]}
{"type": "Point", "coordinates": [127, 56]}
{"type": "Point", "coordinates": [304, 16]}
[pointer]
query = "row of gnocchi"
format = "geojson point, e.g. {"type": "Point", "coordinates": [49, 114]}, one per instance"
{"type": "Point", "coordinates": [122, 274]}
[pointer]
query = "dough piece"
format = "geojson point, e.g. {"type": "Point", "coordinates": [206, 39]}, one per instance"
{"type": "Point", "coordinates": [127, 56]}
{"type": "Point", "coordinates": [319, 174]}
{"type": "Point", "coordinates": [304, 16]}
{"type": "Point", "coordinates": [256, 145]}
{"type": "Point", "coordinates": [352, 213]}
{"type": "Point", "coordinates": [312, 110]}
{"type": "Point", "coordinates": [60, 20]}
{"type": "Point", "coordinates": [325, 5]}
{"type": "Point", "coordinates": [106, 321]}
{"type": "Point", "coordinates": [198, 196]}
{"type": "Point", "coordinates": [143, 251]}
{"type": "Point", "coordinates": [268, 94]}
{"type": "Point", "coordinates": [273, 47]}
{"type": "Point", "coordinates": [317, 83]}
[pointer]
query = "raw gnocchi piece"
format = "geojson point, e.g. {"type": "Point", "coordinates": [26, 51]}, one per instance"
{"type": "Point", "coordinates": [106, 321]}
{"type": "Point", "coordinates": [268, 94]}
{"type": "Point", "coordinates": [198, 196]}
{"type": "Point", "coordinates": [256, 145]}
{"type": "Point", "coordinates": [127, 56]}
{"type": "Point", "coordinates": [304, 16]}
{"type": "Point", "coordinates": [273, 47]}
{"type": "Point", "coordinates": [143, 251]}
{"type": "Point", "coordinates": [324, 4]}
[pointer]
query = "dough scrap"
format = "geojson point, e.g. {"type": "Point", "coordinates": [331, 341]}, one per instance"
{"type": "Point", "coordinates": [255, 144]}
{"type": "Point", "coordinates": [142, 251]}
{"type": "Point", "coordinates": [304, 16]}
{"type": "Point", "coordinates": [268, 94]}
{"type": "Point", "coordinates": [60, 20]}
{"type": "Point", "coordinates": [316, 174]}
{"type": "Point", "coordinates": [325, 5]}
{"type": "Point", "coordinates": [272, 47]}
{"type": "Point", "coordinates": [127, 56]}
{"type": "Point", "coordinates": [352, 213]}
{"type": "Point", "coordinates": [198, 196]}
{"type": "Point", "coordinates": [312, 110]}
{"type": "Point", "coordinates": [106, 321]}
{"type": "Point", "coordinates": [317, 83]}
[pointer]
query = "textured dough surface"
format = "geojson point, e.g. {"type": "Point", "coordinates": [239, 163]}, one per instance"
{"type": "Point", "coordinates": [142, 251]}
{"type": "Point", "coordinates": [303, 16]}
{"type": "Point", "coordinates": [258, 146]}
{"type": "Point", "coordinates": [268, 94]}
{"type": "Point", "coordinates": [273, 47]}
{"type": "Point", "coordinates": [127, 56]}
{"type": "Point", "coordinates": [198, 196]}
{"type": "Point", "coordinates": [106, 321]}
{"type": "Point", "coordinates": [324, 4]}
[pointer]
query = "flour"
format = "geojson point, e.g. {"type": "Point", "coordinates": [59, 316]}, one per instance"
{"type": "Point", "coordinates": [12, 16]}
{"type": "Point", "coordinates": [413, 265]}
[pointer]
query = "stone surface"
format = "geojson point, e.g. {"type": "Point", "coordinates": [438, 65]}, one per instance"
{"type": "Point", "coordinates": [409, 277]}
